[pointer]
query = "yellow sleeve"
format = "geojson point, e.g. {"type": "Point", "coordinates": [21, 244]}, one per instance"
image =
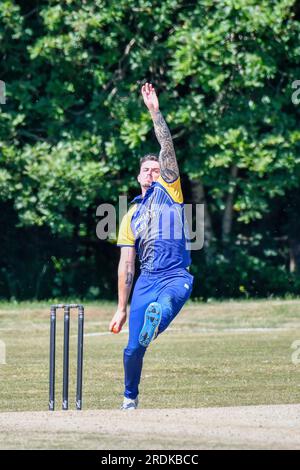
{"type": "Point", "coordinates": [126, 237]}
{"type": "Point", "coordinates": [174, 189]}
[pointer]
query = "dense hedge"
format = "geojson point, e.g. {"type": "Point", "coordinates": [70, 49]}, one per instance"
{"type": "Point", "coordinates": [74, 125]}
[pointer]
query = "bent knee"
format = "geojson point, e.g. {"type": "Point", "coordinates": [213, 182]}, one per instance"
{"type": "Point", "coordinates": [137, 351]}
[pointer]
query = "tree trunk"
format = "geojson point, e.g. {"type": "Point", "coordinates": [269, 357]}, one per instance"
{"type": "Point", "coordinates": [292, 204]}
{"type": "Point", "coordinates": [198, 195]}
{"type": "Point", "coordinates": [294, 255]}
{"type": "Point", "coordinates": [228, 212]}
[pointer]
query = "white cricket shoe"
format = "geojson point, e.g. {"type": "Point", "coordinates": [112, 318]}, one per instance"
{"type": "Point", "coordinates": [129, 404]}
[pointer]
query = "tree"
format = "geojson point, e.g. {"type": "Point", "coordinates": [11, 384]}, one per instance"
{"type": "Point", "coordinates": [73, 124]}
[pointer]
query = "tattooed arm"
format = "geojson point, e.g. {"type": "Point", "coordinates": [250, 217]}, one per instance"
{"type": "Point", "coordinates": [167, 157]}
{"type": "Point", "coordinates": [125, 280]}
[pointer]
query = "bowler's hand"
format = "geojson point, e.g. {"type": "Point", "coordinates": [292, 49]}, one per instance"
{"type": "Point", "coordinates": [118, 321]}
{"type": "Point", "coordinates": [150, 97]}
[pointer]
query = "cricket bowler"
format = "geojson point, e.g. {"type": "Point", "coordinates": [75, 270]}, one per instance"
{"type": "Point", "coordinates": [154, 228]}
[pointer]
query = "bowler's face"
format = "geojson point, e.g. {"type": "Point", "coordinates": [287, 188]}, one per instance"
{"type": "Point", "coordinates": [149, 172]}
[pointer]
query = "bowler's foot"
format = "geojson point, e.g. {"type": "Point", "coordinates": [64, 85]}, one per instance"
{"type": "Point", "coordinates": [130, 404]}
{"type": "Point", "coordinates": [151, 324]}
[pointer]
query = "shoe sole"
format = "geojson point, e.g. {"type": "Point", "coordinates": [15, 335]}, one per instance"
{"type": "Point", "coordinates": [151, 324]}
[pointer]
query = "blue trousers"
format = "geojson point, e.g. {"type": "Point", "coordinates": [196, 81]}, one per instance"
{"type": "Point", "coordinates": [171, 290]}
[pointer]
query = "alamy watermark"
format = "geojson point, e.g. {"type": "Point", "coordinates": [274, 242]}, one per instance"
{"type": "Point", "coordinates": [2, 353]}
{"type": "Point", "coordinates": [296, 354]}
{"type": "Point", "coordinates": [296, 94]}
{"type": "Point", "coordinates": [159, 222]}
{"type": "Point", "coordinates": [2, 92]}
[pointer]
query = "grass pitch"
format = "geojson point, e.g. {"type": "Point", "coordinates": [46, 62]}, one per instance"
{"type": "Point", "coordinates": [213, 355]}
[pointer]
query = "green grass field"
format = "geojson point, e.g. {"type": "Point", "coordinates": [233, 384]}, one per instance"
{"type": "Point", "coordinates": [217, 354]}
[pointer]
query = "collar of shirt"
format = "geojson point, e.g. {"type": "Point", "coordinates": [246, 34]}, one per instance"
{"type": "Point", "coordinates": [138, 199]}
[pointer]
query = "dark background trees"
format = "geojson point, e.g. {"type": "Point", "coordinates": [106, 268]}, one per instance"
{"type": "Point", "coordinates": [74, 125]}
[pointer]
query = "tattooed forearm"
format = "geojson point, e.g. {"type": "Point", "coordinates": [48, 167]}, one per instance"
{"type": "Point", "coordinates": [129, 274]}
{"type": "Point", "coordinates": [126, 271]}
{"type": "Point", "coordinates": [129, 278]}
{"type": "Point", "coordinates": [167, 157]}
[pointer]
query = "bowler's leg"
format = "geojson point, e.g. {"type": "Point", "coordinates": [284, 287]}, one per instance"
{"type": "Point", "coordinates": [134, 352]}
{"type": "Point", "coordinates": [172, 298]}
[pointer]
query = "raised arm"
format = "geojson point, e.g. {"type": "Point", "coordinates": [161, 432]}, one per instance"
{"type": "Point", "coordinates": [167, 157]}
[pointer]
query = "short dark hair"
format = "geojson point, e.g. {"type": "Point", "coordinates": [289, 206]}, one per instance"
{"type": "Point", "coordinates": [149, 156]}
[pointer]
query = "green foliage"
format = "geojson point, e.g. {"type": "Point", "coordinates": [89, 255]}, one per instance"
{"type": "Point", "coordinates": [74, 124]}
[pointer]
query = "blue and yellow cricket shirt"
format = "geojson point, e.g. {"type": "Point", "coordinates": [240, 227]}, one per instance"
{"type": "Point", "coordinates": [155, 226]}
